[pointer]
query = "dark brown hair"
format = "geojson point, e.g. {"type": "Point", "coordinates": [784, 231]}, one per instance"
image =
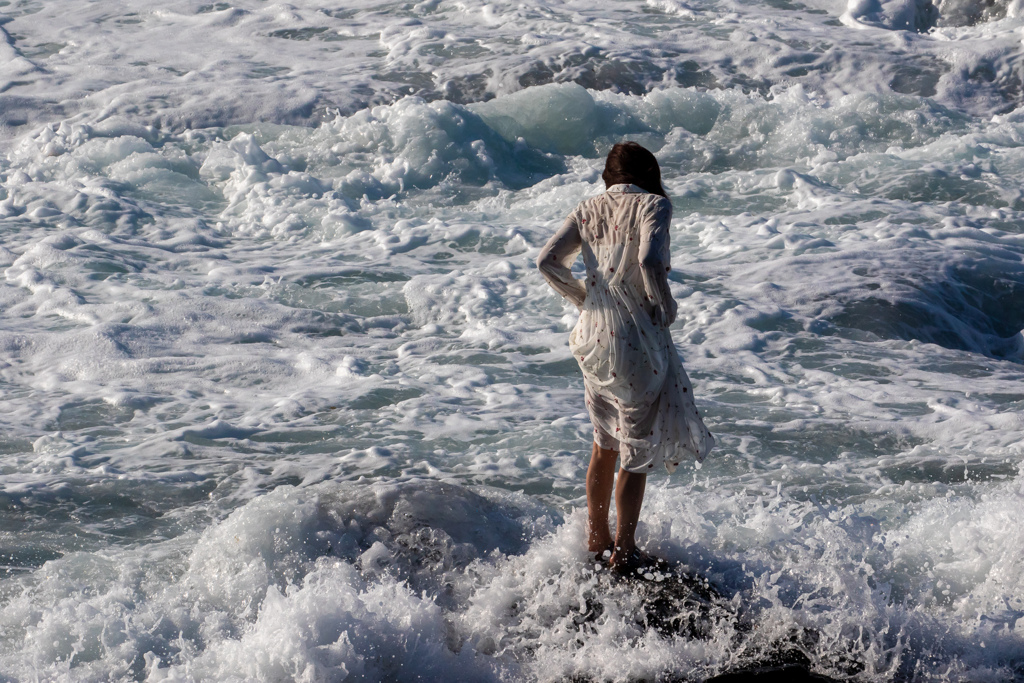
{"type": "Point", "coordinates": [629, 162]}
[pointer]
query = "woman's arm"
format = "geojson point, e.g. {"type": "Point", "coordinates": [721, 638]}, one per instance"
{"type": "Point", "coordinates": [655, 260]}
{"type": "Point", "coordinates": [555, 261]}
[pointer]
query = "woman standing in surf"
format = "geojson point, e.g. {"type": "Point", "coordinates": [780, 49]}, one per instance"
{"type": "Point", "coordinates": [638, 395]}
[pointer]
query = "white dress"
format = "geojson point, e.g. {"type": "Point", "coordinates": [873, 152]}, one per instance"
{"type": "Point", "coordinates": [638, 395]}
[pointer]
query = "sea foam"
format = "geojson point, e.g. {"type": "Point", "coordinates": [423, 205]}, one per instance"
{"type": "Point", "coordinates": [286, 399]}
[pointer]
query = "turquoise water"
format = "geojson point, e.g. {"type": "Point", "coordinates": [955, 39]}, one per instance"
{"type": "Point", "coordinates": [284, 397]}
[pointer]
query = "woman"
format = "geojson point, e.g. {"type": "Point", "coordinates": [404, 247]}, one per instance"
{"type": "Point", "coordinates": [638, 395]}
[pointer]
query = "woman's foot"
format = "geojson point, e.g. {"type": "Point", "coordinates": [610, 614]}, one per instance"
{"type": "Point", "coordinates": [598, 543]}
{"type": "Point", "coordinates": [603, 555]}
{"type": "Point", "coordinates": [633, 561]}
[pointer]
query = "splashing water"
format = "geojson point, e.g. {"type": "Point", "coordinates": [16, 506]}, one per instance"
{"type": "Point", "coordinates": [285, 399]}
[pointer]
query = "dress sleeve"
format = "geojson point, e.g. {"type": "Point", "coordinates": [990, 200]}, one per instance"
{"type": "Point", "coordinates": [555, 261]}
{"type": "Point", "coordinates": [655, 260]}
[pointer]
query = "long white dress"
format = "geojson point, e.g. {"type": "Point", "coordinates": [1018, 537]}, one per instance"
{"type": "Point", "coordinates": [638, 395]}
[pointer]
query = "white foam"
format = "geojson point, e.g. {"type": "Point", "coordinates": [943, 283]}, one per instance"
{"type": "Point", "coordinates": [238, 360]}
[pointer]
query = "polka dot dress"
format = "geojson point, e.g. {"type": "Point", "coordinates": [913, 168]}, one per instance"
{"type": "Point", "coordinates": [638, 395]}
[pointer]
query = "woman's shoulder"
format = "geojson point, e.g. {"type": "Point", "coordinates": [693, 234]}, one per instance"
{"type": "Point", "coordinates": [600, 202]}
{"type": "Point", "coordinates": [656, 200]}
{"type": "Point", "coordinates": [593, 200]}
{"type": "Point", "coordinates": [656, 206]}
{"type": "Point", "coordinates": [589, 205]}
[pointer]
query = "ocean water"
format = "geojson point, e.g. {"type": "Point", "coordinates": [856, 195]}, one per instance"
{"type": "Point", "coordinates": [283, 396]}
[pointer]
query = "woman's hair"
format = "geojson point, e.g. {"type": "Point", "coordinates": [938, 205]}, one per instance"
{"type": "Point", "coordinates": [628, 163]}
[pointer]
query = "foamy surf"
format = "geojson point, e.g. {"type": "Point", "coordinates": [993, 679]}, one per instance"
{"type": "Point", "coordinates": [285, 399]}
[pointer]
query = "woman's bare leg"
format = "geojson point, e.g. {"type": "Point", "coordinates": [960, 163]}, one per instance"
{"type": "Point", "coordinates": [600, 481]}
{"type": "Point", "coordinates": [629, 498]}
